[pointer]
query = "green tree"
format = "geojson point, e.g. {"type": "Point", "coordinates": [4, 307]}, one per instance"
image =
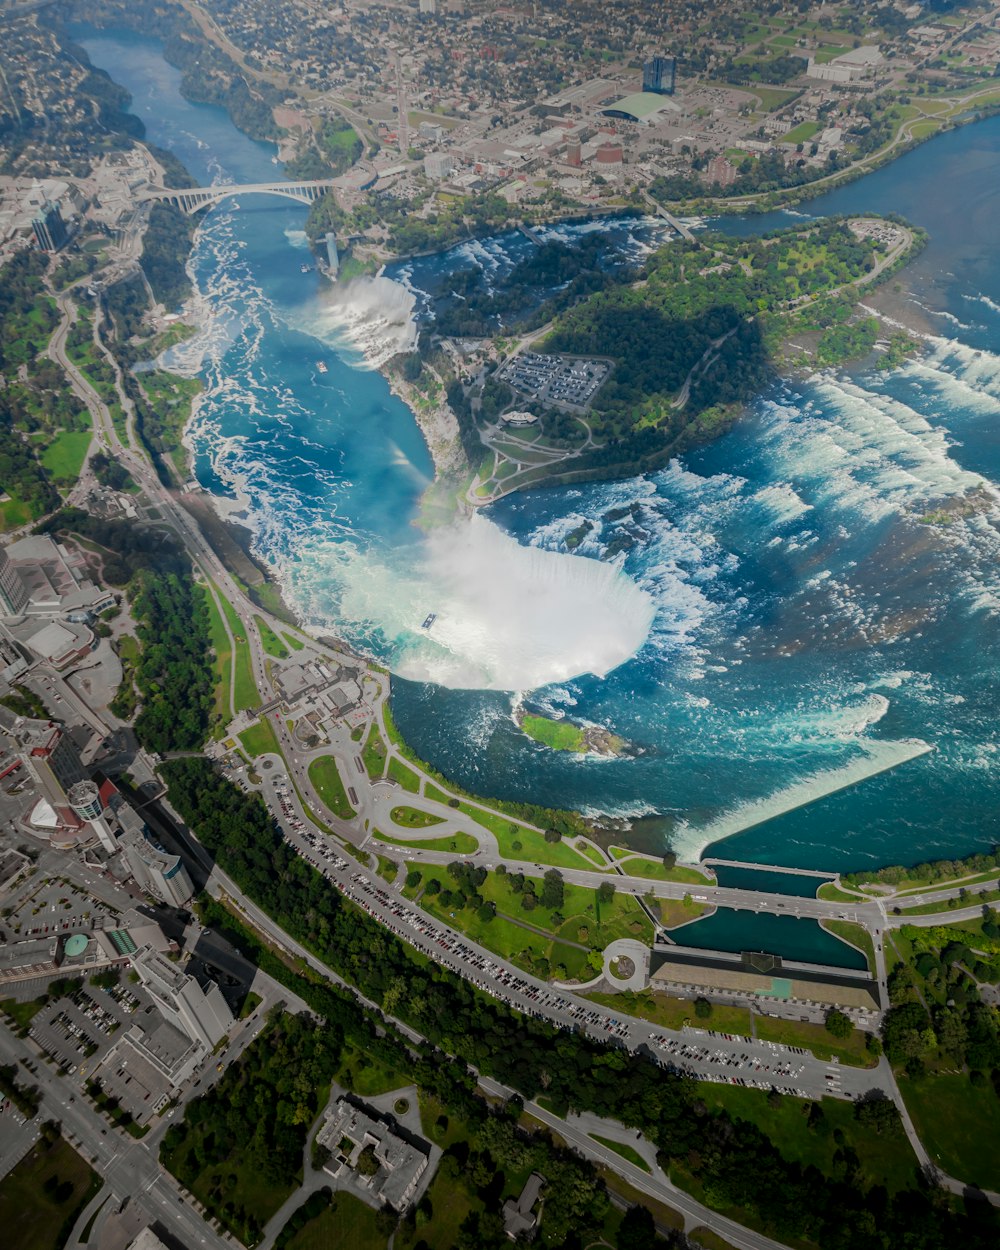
{"type": "Point", "coordinates": [838, 1025]}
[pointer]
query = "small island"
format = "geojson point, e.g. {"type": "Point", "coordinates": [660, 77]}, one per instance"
{"type": "Point", "coordinates": [566, 735]}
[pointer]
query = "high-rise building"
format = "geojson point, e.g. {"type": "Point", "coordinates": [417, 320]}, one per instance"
{"type": "Point", "coordinates": [86, 801]}
{"type": "Point", "coordinates": [50, 229]}
{"type": "Point", "coordinates": [156, 870]}
{"type": "Point", "coordinates": [13, 592]}
{"type": "Point", "coordinates": [202, 1015]}
{"type": "Point", "coordinates": [659, 75]}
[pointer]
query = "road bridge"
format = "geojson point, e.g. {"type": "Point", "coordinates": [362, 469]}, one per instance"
{"type": "Point", "coordinates": [668, 217]}
{"type": "Point", "coordinates": [193, 199]}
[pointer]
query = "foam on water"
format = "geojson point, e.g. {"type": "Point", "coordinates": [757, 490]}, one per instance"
{"type": "Point", "coordinates": [371, 318]}
{"type": "Point", "coordinates": [508, 617]}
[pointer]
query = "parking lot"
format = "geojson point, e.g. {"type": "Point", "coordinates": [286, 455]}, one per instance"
{"type": "Point", "coordinates": [54, 906]}
{"type": "Point", "coordinates": [701, 1054]}
{"type": "Point", "coordinates": [563, 381]}
{"type": "Point", "coordinates": [79, 1030]}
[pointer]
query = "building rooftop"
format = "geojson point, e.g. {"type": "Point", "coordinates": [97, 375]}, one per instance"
{"type": "Point", "coordinates": [641, 106]}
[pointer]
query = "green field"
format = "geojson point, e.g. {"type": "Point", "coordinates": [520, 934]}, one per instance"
{"type": "Point", "coordinates": [517, 841]}
{"type": "Point", "coordinates": [560, 735]}
{"type": "Point", "coordinates": [13, 514]}
{"type": "Point", "coordinates": [674, 1013]}
{"type": "Point", "coordinates": [815, 1037]}
{"type": "Point", "coordinates": [295, 643]}
{"type": "Point", "coordinates": [564, 937]}
{"type": "Point", "coordinates": [855, 935]}
{"type": "Point", "coordinates": [259, 739]}
{"type": "Point", "coordinates": [64, 456]}
{"type": "Point", "coordinates": [269, 640]}
{"type": "Point", "coordinates": [802, 133]}
{"type": "Point", "coordinates": [886, 1159]}
{"type": "Point", "coordinates": [373, 754]}
{"type": "Point", "coordinates": [34, 1218]}
{"type": "Point", "coordinates": [325, 777]}
{"type": "Point", "coordinates": [627, 1152]}
{"type": "Point", "coordinates": [957, 1124]}
{"type": "Point", "coordinates": [347, 1224]}
{"type": "Point", "coordinates": [456, 844]}
{"type": "Point", "coordinates": [222, 663]}
{"type": "Point", "coordinates": [642, 866]}
{"type": "Point", "coordinates": [245, 693]}
{"type": "Point", "coordinates": [414, 818]}
{"type": "Point", "coordinates": [403, 775]}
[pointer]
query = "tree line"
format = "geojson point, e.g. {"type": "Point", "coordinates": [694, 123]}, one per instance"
{"type": "Point", "coordinates": [736, 1165]}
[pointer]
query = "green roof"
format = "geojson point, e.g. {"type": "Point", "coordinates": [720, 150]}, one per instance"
{"type": "Point", "coordinates": [641, 104]}
{"type": "Point", "coordinates": [76, 944]}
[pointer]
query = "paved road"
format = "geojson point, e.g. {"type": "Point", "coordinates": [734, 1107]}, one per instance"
{"type": "Point", "coordinates": [128, 1167]}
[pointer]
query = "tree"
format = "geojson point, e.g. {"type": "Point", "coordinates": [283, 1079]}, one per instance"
{"type": "Point", "coordinates": [413, 879]}
{"type": "Point", "coordinates": [637, 1230]}
{"type": "Point", "coordinates": [605, 892]}
{"type": "Point", "coordinates": [670, 861]}
{"type": "Point", "coordinates": [702, 1008]}
{"type": "Point", "coordinates": [552, 835]}
{"type": "Point", "coordinates": [838, 1025]}
{"type": "Point", "coordinates": [877, 1113]}
{"type": "Point", "coordinates": [367, 1164]}
{"type": "Point", "coordinates": [553, 891]}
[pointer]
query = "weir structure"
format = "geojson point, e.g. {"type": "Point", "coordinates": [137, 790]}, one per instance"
{"type": "Point", "coordinates": [193, 199]}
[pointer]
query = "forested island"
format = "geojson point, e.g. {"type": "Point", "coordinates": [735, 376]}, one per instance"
{"type": "Point", "coordinates": [693, 334]}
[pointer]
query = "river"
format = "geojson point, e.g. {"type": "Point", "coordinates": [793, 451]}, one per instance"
{"type": "Point", "coordinates": [802, 654]}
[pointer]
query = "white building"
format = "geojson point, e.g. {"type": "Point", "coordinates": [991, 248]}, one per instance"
{"type": "Point", "coordinates": [202, 1015]}
{"type": "Point", "coordinates": [438, 165]}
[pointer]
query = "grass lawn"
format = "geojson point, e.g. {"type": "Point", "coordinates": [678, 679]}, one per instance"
{"type": "Point", "coordinates": [259, 739]}
{"type": "Point", "coordinates": [366, 1076]}
{"type": "Point", "coordinates": [245, 693]}
{"type": "Point", "coordinates": [518, 841]}
{"type": "Point", "coordinates": [21, 1013]}
{"type": "Point", "coordinates": [34, 1219]}
{"type": "Point", "coordinates": [65, 454]}
{"type": "Point", "coordinates": [771, 97]}
{"type": "Point", "coordinates": [373, 754]}
{"type": "Point", "coordinates": [524, 936]}
{"type": "Point", "coordinates": [855, 935]}
{"type": "Point", "coordinates": [456, 844]}
{"type": "Point", "coordinates": [674, 1013]}
{"type": "Point", "coordinates": [593, 853]}
{"type": "Point", "coordinates": [886, 1159]}
{"type": "Point", "coordinates": [802, 132]}
{"type": "Point", "coordinates": [710, 1240]}
{"type": "Point", "coordinates": [347, 1224]}
{"type": "Point", "coordinates": [413, 818]}
{"type": "Point", "coordinates": [295, 643]}
{"type": "Point", "coordinates": [325, 777]}
{"type": "Point", "coordinates": [957, 1124]}
{"type": "Point", "coordinates": [560, 735]}
{"type": "Point", "coordinates": [654, 869]}
{"type": "Point", "coordinates": [921, 130]}
{"type": "Point", "coordinates": [832, 893]}
{"type": "Point", "coordinates": [269, 640]}
{"type": "Point", "coordinates": [815, 1037]}
{"type": "Point", "coordinates": [222, 664]}
{"type": "Point", "coordinates": [450, 1203]}
{"type": "Point", "coordinates": [626, 1152]}
{"type": "Point", "coordinates": [13, 513]}
{"type": "Point", "coordinates": [403, 775]}
{"type": "Point", "coordinates": [675, 911]}
{"type": "Point", "coordinates": [388, 869]}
